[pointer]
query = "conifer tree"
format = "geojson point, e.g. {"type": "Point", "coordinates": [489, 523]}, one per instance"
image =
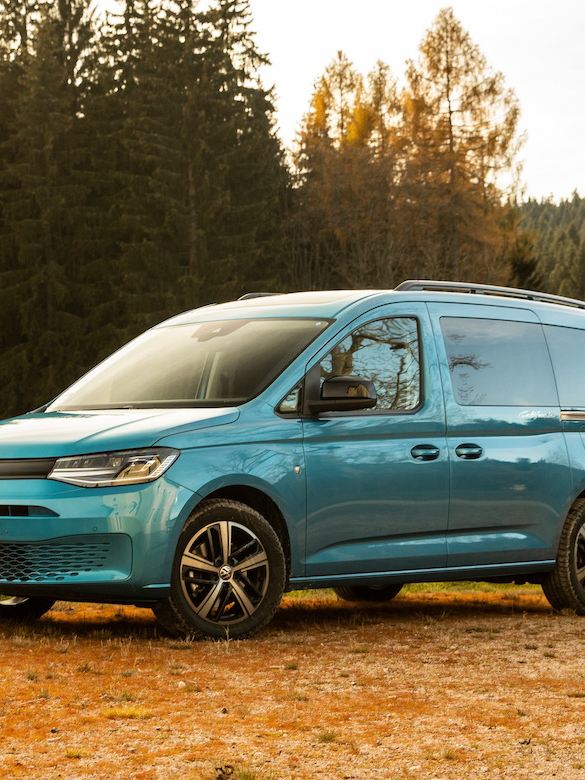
{"type": "Point", "coordinates": [557, 233]}
{"type": "Point", "coordinates": [244, 233]}
{"type": "Point", "coordinates": [47, 211]}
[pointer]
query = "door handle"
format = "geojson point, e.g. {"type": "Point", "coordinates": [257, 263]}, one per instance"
{"type": "Point", "coordinates": [469, 451]}
{"type": "Point", "coordinates": [425, 452]}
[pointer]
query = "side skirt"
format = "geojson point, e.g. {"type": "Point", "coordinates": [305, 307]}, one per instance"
{"type": "Point", "coordinates": [446, 574]}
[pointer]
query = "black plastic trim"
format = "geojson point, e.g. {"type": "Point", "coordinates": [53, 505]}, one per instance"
{"type": "Point", "coordinates": [26, 468]}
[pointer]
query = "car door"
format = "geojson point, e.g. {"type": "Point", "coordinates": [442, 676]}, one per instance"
{"type": "Point", "coordinates": [378, 480]}
{"type": "Point", "coordinates": [510, 476]}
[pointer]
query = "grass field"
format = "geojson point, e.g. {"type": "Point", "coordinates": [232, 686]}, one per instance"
{"type": "Point", "coordinates": [448, 681]}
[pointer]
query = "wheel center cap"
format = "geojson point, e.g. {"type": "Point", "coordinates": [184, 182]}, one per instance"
{"type": "Point", "coordinates": [225, 572]}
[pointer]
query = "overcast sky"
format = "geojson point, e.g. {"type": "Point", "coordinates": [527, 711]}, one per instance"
{"type": "Point", "coordinates": [539, 45]}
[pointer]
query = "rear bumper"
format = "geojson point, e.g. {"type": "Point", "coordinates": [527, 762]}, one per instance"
{"type": "Point", "coordinates": [109, 543]}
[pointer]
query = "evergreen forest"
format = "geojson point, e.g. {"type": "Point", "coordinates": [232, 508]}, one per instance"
{"type": "Point", "coordinates": [141, 174]}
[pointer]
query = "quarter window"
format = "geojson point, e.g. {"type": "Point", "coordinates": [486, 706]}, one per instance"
{"type": "Point", "coordinates": [567, 347]}
{"type": "Point", "coordinates": [498, 362]}
{"type": "Point", "coordinates": [387, 352]}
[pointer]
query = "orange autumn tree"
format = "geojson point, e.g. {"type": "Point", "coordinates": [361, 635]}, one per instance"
{"type": "Point", "coordinates": [460, 143]}
{"type": "Point", "coordinates": [341, 229]}
{"type": "Point", "coordinates": [413, 182]}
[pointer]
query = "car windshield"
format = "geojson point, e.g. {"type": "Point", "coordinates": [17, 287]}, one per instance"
{"type": "Point", "coordinates": [218, 363]}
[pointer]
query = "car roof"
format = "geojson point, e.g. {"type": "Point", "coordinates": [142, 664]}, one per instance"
{"type": "Point", "coordinates": [320, 304]}
{"type": "Point", "coordinates": [328, 304]}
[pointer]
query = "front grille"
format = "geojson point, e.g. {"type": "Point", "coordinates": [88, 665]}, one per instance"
{"type": "Point", "coordinates": [26, 468]}
{"type": "Point", "coordinates": [52, 561]}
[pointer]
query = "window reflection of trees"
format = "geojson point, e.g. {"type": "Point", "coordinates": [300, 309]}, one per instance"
{"type": "Point", "coordinates": [498, 362]}
{"type": "Point", "coordinates": [385, 351]}
{"type": "Point", "coordinates": [463, 368]}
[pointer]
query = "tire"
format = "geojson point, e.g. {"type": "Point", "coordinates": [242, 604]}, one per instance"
{"type": "Point", "coordinates": [228, 574]}
{"type": "Point", "coordinates": [23, 609]}
{"type": "Point", "coordinates": [368, 593]}
{"type": "Point", "coordinates": [564, 587]}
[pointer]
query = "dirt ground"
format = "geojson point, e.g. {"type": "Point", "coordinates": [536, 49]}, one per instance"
{"type": "Point", "coordinates": [445, 682]}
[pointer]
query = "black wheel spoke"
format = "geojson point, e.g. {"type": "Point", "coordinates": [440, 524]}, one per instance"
{"type": "Point", "coordinates": [206, 606]}
{"type": "Point", "coordinates": [242, 598]}
{"type": "Point", "coordinates": [224, 601]}
{"type": "Point", "coordinates": [186, 575]}
{"type": "Point", "coordinates": [212, 553]}
{"type": "Point", "coordinates": [245, 550]}
{"type": "Point", "coordinates": [259, 559]}
{"type": "Point", "coordinates": [250, 586]}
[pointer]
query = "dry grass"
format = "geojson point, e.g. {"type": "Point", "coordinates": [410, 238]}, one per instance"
{"type": "Point", "coordinates": [443, 683]}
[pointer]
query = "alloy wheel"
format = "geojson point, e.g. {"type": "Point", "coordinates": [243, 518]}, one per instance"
{"type": "Point", "coordinates": [579, 556]}
{"type": "Point", "coordinates": [224, 572]}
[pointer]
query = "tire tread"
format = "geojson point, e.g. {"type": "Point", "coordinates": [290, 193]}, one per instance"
{"type": "Point", "coordinates": [558, 586]}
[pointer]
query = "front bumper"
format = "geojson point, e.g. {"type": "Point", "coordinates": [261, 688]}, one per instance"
{"type": "Point", "coordinates": [107, 543]}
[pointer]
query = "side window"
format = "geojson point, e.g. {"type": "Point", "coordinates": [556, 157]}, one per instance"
{"type": "Point", "coordinates": [387, 352]}
{"type": "Point", "coordinates": [498, 363]}
{"type": "Point", "coordinates": [291, 404]}
{"type": "Point", "coordinates": [567, 347]}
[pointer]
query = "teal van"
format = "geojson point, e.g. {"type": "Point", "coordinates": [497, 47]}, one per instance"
{"type": "Point", "coordinates": [355, 440]}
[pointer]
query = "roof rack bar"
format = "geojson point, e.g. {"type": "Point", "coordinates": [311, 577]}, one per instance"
{"type": "Point", "coordinates": [249, 296]}
{"type": "Point", "coordinates": [488, 289]}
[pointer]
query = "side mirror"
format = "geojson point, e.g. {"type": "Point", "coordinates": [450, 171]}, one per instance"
{"type": "Point", "coordinates": [345, 394]}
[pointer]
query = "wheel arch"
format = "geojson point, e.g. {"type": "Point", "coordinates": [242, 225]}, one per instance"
{"type": "Point", "coordinates": [257, 499]}
{"type": "Point", "coordinates": [573, 499]}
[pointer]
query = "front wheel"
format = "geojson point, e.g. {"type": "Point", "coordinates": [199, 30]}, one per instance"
{"type": "Point", "coordinates": [564, 587]}
{"type": "Point", "coordinates": [228, 574]}
{"type": "Point", "coordinates": [368, 593]}
{"type": "Point", "coordinates": [23, 608]}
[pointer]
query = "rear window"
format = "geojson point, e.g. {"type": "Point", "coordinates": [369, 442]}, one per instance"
{"type": "Point", "coordinates": [567, 348]}
{"type": "Point", "coordinates": [498, 362]}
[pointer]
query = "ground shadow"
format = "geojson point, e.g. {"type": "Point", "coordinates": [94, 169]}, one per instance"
{"type": "Point", "coordinates": [455, 606]}
{"type": "Point", "coordinates": [103, 622]}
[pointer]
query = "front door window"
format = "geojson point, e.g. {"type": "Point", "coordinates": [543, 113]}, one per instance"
{"type": "Point", "coordinates": [387, 352]}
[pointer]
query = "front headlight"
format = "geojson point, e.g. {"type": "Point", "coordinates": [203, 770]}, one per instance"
{"type": "Point", "coordinates": [112, 469]}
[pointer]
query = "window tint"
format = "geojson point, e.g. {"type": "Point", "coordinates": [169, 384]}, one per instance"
{"type": "Point", "coordinates": [567, 347]}
{"type": "Point", "coordinates": [387, 352]}
{"type": "Point", "coordinates": [498, 363]}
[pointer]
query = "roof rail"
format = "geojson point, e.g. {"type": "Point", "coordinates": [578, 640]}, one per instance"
{"type": "Point", "coordinates": [488, 289]}
{"type": "Point", "coordinates": [249, 296]}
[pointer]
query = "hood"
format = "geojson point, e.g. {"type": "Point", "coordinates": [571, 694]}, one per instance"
{"type": "Point", "coordinates": [53, 434]}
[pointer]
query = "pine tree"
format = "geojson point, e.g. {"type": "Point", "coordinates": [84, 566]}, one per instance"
{"type": "Point", "coordinates": [557, 231]}
{"type": "Point", "coordinates": [244, 235]}
{"type": "Point", "coordinates": [140, 173]}
{"type": "Point", "coordinates": [17, 23]}
{"type": "Point", "coordinates": [48, 211]}
{"type": "Point", "coordinates": [200, 171]}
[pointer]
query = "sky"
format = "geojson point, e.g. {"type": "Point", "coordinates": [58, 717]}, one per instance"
{"type": "Point", "coordinates": [539, 46]}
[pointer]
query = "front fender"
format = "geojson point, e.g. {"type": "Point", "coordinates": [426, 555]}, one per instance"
{"type": "Point", "coordinates": [267, 457]}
